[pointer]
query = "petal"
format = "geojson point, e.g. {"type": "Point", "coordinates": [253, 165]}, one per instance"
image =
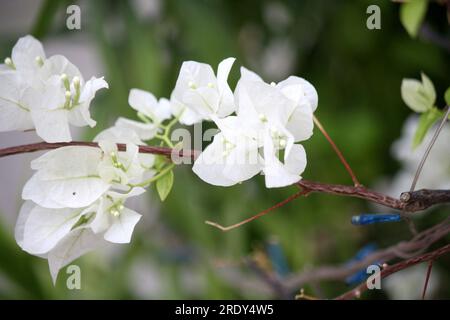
{"type": "Point", "coordinates": [52, 125]}
{"type": "Point", "coordinates": [119, 135]}
{"type": "Point", "coordinates": [143, 101]}
{"type": "Point", "coordinates": [145, 131]}
{"type": "Point", "coordinates": [243, 162]}
{"type": "Point", "coordinates": [296, 89]}
{"type": "Point", "coordinates": [80, 115]}
{"type": "Point", "coordinates": [226, 105]}
{"type": "Point", "coordinates": [188, 116]}
{"type": "Point", "coordinates": [14, 113]}
{"type": "Point", "coordinates": [122, 226]}
{"type": "Point", "coordinates": [57, 65]}
{"type": "Point", "coordinates": [78, 242]}
{"type": "Point", "coordinates": [163, 111]}
{"type": "Point", "coordinates": [204, 101]}
{"type": "Point", "coordinates": [21, 220]}
{"type": "Point", "coordinates": [193, 73]}
{"type": "Point", "coordinates": [67, 177]}
{"type": "Point", "coordinates": [296, 161]}
{"type": "Point", "coordinates": [278, 174]}
{"type": "Point", "coordinates": [301, 123]}
{"type": "Point", "coordinates": [45, 227]}
{"type": "Point", "coordinates": [25, 52]}
{"type": "Point", "coordinates": [259, 98]}
{"type": "Point", "coordinates": [209, 166]}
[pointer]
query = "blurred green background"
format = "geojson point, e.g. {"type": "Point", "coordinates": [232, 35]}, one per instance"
{"type": "Point", "coordinates": [357, 73]}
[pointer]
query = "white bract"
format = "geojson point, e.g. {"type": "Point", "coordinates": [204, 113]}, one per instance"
{"type": "Point", "coordinates": [204, 94]}
{"type": "Point", "coordinates": [45, 94]}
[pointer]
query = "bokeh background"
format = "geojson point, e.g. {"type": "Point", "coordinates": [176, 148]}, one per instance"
{"type": "Point", "coordinates": [173, 254]}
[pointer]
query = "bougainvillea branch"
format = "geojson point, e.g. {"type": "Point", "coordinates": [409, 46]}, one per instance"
{"type": "Point", "coordinates": [356, 292]}
{"type": "Point", "coordinates": [409, 201]}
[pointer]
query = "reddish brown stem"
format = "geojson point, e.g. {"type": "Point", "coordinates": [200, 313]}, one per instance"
{"type": "Point", "coordinates": [338, 152]}
{"type": "Point", "coordinates": [260, 214]}
{"type": "Point", "coordinates": [356, 292]}
{"type": "Point", "coordinates": [430, 267]}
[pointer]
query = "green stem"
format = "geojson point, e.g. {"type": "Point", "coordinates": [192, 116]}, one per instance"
{"type": "Point", "coordinates": [161, 174]}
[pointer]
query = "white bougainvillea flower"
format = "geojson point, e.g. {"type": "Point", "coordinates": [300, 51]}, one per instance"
{"type": "Point", "coordinates": [232, 157]}
{"type": "Point", "coordinates": [117, 167]}
{"type": "Point", "coordinates": [199, 89]}
{"type": "Point", "coordinates": [128, 135]}
{"type": "Point", "coordinates": [46, 94]}
{"type": "Point", "coordinates": [270, 118]}
{"type": "Point", "coordinates": [113, 219]}
{"type": "Point", "coordinates": [301, 93]}
{"type": "Point", "coordinates": [48, 232]}
{"type": "Point", "coordinates": [67, 177]}
{"type": "Point", "coordinates": [280, 174]}
{"type": "Point", "coordinates": [146, 104]}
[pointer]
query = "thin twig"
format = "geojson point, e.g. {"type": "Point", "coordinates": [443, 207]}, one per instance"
{"type": "Point", "coordinates": [356, 292]}
{"type": "Point", "coordinates": [338, 152]}
{"type": "Point", "coordinates": [427, 152]}
{"type": "Point", "coordinates": [260, 214]}
{"type": "Point", "coordinates": [430, 267]}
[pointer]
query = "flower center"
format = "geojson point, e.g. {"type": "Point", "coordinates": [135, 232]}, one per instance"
{"type": "Point", "coordinates": [39, 61]}
{"type": "Point", "coordinates": [10, 63]}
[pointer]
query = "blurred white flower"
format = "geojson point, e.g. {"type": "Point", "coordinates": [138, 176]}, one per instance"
{"type": "Point", "coordinates": [46, 94]}
{"type": "Point", "coordinates": [408, 284]}
{"type": "Point", "coordinates": [436, 171]}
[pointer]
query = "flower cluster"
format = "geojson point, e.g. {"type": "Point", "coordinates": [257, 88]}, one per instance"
{"type": "Point", "coordinates": [46, 94]}
{"type": "Point", "coordinates": [259, 123]}
{"type": "Point", "coordinates": [75, 201]}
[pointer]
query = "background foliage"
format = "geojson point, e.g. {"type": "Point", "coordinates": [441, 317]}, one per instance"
{"type": "Point", "coordinates": [357, 73]}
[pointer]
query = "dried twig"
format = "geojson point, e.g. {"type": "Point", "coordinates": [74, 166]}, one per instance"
{"type": "Point", "coordinates": [356, 292]}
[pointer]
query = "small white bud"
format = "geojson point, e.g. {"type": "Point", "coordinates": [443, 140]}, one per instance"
{"type": "Point", "coordinates": [262, 117]}
{"type": "Point", "coordinates": [9, 63]}
{"type": "Point", "coordinates": [273, 84]}
{"type": "Point", "coordinates": [282, 143]}
{"type": "Point", "coordinates": [39, 61]}
{"type": "Point", "coordinates": [191, 85]}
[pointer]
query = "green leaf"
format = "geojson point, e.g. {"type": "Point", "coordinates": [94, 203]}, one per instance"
{"type": "Point", "coordinates": [419, 96]}
{"type": "Point", "coordinates": [447, 96]}
{"type": "Point", "coordinates": [426, 121]}
{"type": "Point", "coordinates": [412, 14]}
{"type": "Point", "coordinates": [164, 185]}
